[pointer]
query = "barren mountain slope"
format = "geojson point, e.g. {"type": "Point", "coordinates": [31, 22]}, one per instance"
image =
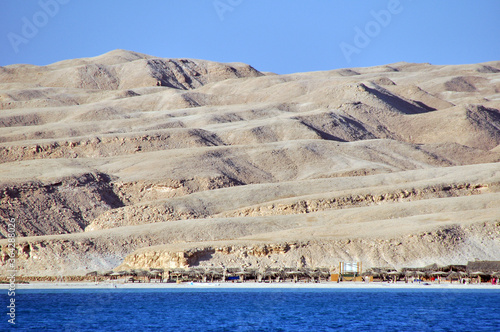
{"type": "Point", "coordinates": [130, 161]}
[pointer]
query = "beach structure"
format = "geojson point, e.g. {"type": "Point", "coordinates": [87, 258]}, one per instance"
{"type": "Point", "coordinates": [348, 271]}
{"type": "Point", "coordinates": [267, 275]}
{"type": "Point", "coordinates": [475, 272]}
{"type": "Point", "coordinates": [176, 274]}
{"type": "Point", "coordinates": [438, 275]}
{"type": "Point", "coordinates": [488, 267]}
{"type": "Point", "coordinates": [323, 274]}
{"type": "Point", "coordinates": [243, 275]}
{"type": "Point", "coordinates": [394, 276]}
{"type": "Point", "coordinates": [458, 276]}
{"type": "Point", "coordinates": [156, 275]}
{"type": "Point", "coordinates": [483, 271]}
{"type": "Point", "coordinates": [114, 275]}
{"type": "Point", "coordinates": [294, 275]}
{"type": "Point", "coordinates": [196, 274]}
{"type": "Point", "coordinates": [94, 274]}
{"type": "Point", "coordinates": [213, 274]}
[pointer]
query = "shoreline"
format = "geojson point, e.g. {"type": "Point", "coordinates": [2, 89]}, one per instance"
{"type": "Point", "coordinates": [248, 285]}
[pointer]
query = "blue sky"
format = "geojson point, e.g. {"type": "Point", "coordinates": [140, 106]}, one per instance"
{"type": "Point", "coordinates": [282, 36]}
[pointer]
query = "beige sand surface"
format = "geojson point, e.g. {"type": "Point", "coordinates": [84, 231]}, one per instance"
{"type": "Point", "coordinates": [253, 285]}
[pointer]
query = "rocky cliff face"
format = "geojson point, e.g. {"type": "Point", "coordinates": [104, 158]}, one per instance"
{"type": "Point", "coordinates": [442, 246]}
{"type": "Point", "coordinates": [135, 161]}
{"type": "Point", "coordinates": [49, 207]}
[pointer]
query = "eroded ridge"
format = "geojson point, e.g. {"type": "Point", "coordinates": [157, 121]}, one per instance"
{"type": "Point", "coordinates": [129, 161]}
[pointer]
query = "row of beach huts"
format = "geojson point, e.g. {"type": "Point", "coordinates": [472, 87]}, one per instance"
{"type": "Point", "coordinates": [473, 272]}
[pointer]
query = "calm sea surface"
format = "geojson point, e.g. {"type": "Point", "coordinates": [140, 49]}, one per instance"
{"type": "Point", "coordinates": [255, 310]}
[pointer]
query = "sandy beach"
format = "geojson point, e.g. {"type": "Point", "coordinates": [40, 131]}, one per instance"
{"type": "Point", "coordinates": [253, 285]}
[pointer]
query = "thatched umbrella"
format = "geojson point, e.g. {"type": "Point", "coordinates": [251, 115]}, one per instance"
{"type": "Point", "coordinates": [176, 273]}
{"type": "Point", "coordinates": [284, 272]}
{"type": "Point", "coordinates": [414, 273]}
{"type": "Point", "coordinates": [479, 274]}
{"type": "Point", "coordinates": [324, 273]}
{"type": "Point", "coordinates": [294, 274]}
{"type": "Point", "coordinates": [142, 274]}
{"type": "Point", "coordinates": [454, 275]}
{"type": "Point", "coordinates": [93, 274]}
{"type": "Point", "coordinates": [395, 275]}
{"type": "Point", "coordinates": [216, 275]}
{"type": "Point", "coordinates": [156, 273]}
{"type": "Point", "coordinates": [252, 273]}
{"type": "Point", "coordinates": [260, 274]}
{"type": "Point", "coordinates": [129, 273]}
{"type": "Point", "coordinates": [496, 275]}
{"type": "Point", "coordinates": [213, 273]}
{"type": "Point", "coordinates": [268, 274]}
{"type": "Point", "coordinates": [243, 274]}
{"type": "Point", "coordinates": [115, 275]}
{"type": "Point", "coordinates": [279, 274]}
{"type": "Point", "coordinates": [194, 274]}
{"type": "Point", "coordinates": [313, 274]}
{"type": "Point", "coordinates": [439, 274]}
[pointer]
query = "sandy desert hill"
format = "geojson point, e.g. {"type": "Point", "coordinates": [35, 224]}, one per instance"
{"type": "Point", "coordinates": [127, 161]}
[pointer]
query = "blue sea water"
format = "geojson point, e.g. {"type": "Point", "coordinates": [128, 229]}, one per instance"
{"type": "Point", "coordinates": [255, 310]}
